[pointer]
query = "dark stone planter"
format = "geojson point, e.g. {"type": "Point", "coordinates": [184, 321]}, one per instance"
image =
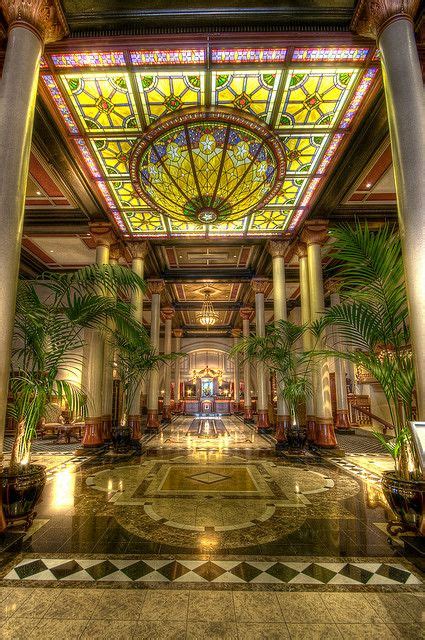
{"type": "Point", "coordinates": [407, 499]}
{"type": "Point", "coordinates": [295, 442]}
{"type": "Point", "coordinates": [121, 439]}
{"type": "Point", "coordinates": [21, 492]}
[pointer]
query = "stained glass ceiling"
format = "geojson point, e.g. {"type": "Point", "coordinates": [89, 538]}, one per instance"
{"type": "Point", "coordinates": [309, 97]}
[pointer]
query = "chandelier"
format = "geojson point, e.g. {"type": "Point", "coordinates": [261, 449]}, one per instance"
{"type": "Point", "coordinates": [207, 316]}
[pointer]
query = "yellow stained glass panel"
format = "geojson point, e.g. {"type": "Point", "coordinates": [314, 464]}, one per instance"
{"type": "Point", "coordinates": [125, 194]}
{"type": "Point", "coordinates": [231, 227]}
{"type": "Point", "coordinates": [178, 226]}
{"type": "Point", "coordinates": [303, 152]}
{"type": "Point", "coordinates": [270, 220]}
{"type": "Point", "coordinates": [148, 222]}
{"type": "Point", "coordinates": [290, 192]}
{"type": "Point", "coordinates": [252, 91]}
{"type": "Point", "coordinates": [102, 102]}
{"type": "Point", "coordinates": [165, 93]}
{"type": "Point", "coordinates": [113, 154]}
{"type": "Point", "coordinates": [315, 97]}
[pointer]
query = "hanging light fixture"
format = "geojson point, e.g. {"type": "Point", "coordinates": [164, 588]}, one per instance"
{"type": "Point", "coordinates": [207, 316]}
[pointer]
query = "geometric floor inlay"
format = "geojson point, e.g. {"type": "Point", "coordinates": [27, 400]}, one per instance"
{"type": "Point", "coordinates": [370, 572]}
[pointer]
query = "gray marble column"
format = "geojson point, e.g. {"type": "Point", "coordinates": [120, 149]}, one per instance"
{"type": "Point", "coordinates": [167, 317]}
{"type": "Point", "coordinates": [259, 286]}
{"type": "Point", "coordinates": [156, 287]}
{"type": "Point", "coordinates": [391, 23]}
{"type": "Point", "coordinates": [247, 315]}
{"type": "Point", "coordinates": [315, 235]}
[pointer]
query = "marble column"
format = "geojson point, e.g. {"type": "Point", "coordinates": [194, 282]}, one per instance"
{"type": "Point", "coordinates": [247, 314]}
{"type": "Point", "coordinates": [301, 251]}
{"type": "Point", "coordinates": [315, 234]}
{"type": "Point", "coordinates": [236, 335]}
{"type": "Point", "coordinates": [342, 422]}
{"type": "Point", "coordinates": [277, 249]}
{"type": "Point", "coordinates": [156, 287]}
{"type": "Point", "coordinates": [94, 354]}
{"type": "Point", "coordinates": [167, 317]}
{"type": "Point", "coordinates": [178, 335]}
{"type": "Point", "coordinates": [138, 251]}
{"type": "Point", "coordinates": [31, 25]}
{"type": "Point", "coordinates": [391, 23]}
{"type": "Point", "coordinates": [259, 286]}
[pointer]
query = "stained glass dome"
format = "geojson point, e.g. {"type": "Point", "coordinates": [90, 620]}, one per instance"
{"type": "Point", "coordinates": [208, 166]}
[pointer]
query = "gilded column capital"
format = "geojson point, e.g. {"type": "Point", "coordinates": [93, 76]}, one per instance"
{"type": "Point", "coordinates": [372, 16]}
{"type": "Point", "coordinates": [236, 333]}
{"type": "Point", "coordinates": [138, 249]}
{"type": "Point", "coordinates": [277, 248]}
{"type": "Point", "coordinates": [178, 333]}
{"type": "Point", "coordinates": [103, 234]}
{"type": "Point", "coordinates": [315, 232]}
{"type": "Point", "coordinates": [259, 285]}
{"type": "Point", "coordinates": [246, 313]}
{"type": "Point", "coordinates": [301, 249]}
{"type": "Point", "coordinates": [44, 17]}
{"type": "Point", "coordinates": [156, 286]}
{"type": "Point", "coordinates": [115, 252]}
{"type": "Point", "coordinates": [167, 313]}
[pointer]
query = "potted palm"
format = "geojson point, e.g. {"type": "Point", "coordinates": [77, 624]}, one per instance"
{"type": "Point", "coordinates": [51, 314]}
{"type": "Point", "coordinates": [372, 325]}
{"type": "Point", "coordinates": [278, 350]}
{"type": "Point", "coordinates": [134, 357]}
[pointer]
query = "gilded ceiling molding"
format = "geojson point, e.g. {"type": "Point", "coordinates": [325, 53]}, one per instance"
{"type": "Point", "coordinates": [246, 313]}
{"type": "Point", "coordinates": [372, 16]}
{"type": "Point", "coordinates": [115, 252]}
{"type": "Point", "coordinates": [260, 285]}
{"type": "Point", "coordinates": [138, 249]}
{"type": "Point", "coordinates": [178, 333]}
{"type": "Point", "coordinates": [277, 248]}
{"type": "Point", "coordinates": [44, 17]}
{"type": "Point", "coordinates": [103, 234]}
{"type": "Point", "coordinates": [156, 286]}
{"type": "Point", "coordinates": [167, 313]}
{"type": "Point", "coordinates": [315, 232]}
{"type": "Point", "coordinates": [236, 333]}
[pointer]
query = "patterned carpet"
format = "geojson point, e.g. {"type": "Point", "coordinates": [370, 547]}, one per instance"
{"type": "Point", "coordinates": [360, 443]}
{"type": "Point", "coordinates": [49, 445]}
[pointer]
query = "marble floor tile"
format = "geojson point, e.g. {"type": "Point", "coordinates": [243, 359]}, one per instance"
{"type": "Point", "coordinates": [346, 608]}
{"type": "Point", "coordinates": [303, 607]}
{"type": "Point", "coordinates": [211, 630]}
{"type": "Point", "coordinates": [411, 631]}
{"type": "Point", "coordinates": [165, 605]}
{"type": "Point", "coordinates": [258, 631]}
{"type": "Point", "coordinates": [366, 632]}
{"type": "Point", "coordinates": [13, 601]}
{"type": "Point", "coordinates": [53, 629]}
{"type": "Point", "coordinates": [117, 604]}
{"type": "Point", "coordinates": [110, 629]}
{"type": "Point", "coordinates": [211, 606]}
{"type": "Point", "coordinates": [314, 632]}
{"type": "Point", "coordinates": [257, 607]}
{"type": "Point", "coordinates": [160, 630]}
{"type": "Point", "coordinates": [397, 607]}
{"type": "Point", "coordinates": [17, 628]}
{"type": "Point", "coordinates": [73, 604]}
{"type": "Point", "coordinates": [36, 605]}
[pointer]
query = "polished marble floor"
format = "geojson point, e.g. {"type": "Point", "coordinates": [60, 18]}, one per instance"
{"type": "Point", "coordinates": [216, 538]}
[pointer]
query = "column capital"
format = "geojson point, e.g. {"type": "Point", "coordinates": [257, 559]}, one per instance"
{"type": "Point", "coordinates": [138, 249]}
{"type": "Point", "coordinates": [246, 313]}
{"type": "Point", "coordinates": [45, 18]}
{"type": "Point", "coordinates": [115, 252]}
{"type": "Point", "coordinates": [371, 17]}
{"type": "Point", "coordinates": [103, 234]}
{"type": "Point", "coordinates": [315, 232]}
{"type": "Point", "coordinates": [277, 248]}
{"type": "Point", "coordinates": [156, 286]}
{"type": "Point", "coordinates": [260, 285]}
{"type": "Point", "coordinates": [301, 249]}
{"type": "Point", "coordinates": [167, 313]}
{"type": "Point", "coordinates": [178, 333]}
{"type": "Point", "coordinates": [236, 333]}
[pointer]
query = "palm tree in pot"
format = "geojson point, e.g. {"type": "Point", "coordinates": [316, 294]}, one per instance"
{"type": "Point", "coordinates": [51, 315]}
{"type": "Point", "coordinates": [278, 350]}
{"type": "Point", "coordinates": [372, 326]}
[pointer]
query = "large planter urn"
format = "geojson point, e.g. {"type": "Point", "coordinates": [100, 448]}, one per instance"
{"type": "Point", "coordinates": [21, 492]}
{"type": "Point", "coordinates": [407, 500]}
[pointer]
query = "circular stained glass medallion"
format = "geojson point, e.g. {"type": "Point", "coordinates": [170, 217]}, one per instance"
{"type": "Point", "coordinates": [208, 166]}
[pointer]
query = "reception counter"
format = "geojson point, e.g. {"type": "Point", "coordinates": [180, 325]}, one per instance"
{"type": "Point", "coordinates": [208, 405]}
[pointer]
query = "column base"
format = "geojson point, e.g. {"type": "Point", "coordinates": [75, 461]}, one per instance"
{"type": "Point", "coordinates": [325, 433]}
{"type": "Point", "coordinates": [93, 433]}
{"type": "Point", "coordinates": [106, 428]}
{"type": "Point", "coordinates": [134, 423]}
{"type": "Point", "coordinates": [263, 424]}
{"type": "Point", "coordinates": [342, 423]}
{"type": "Point", "coordinates": [247, 415]}
{"type": "Point", "coordinates": [282, 425]}
{"type": "Point", "coordinates": [166, 413]}
{"type": "Point", "coordinates": [311, 429]}
{"type": "Point", "coordinates": [152, 423]}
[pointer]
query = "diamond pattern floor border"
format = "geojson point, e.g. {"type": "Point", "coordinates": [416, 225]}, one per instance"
{"type": "Point", "coordinates": [371, 572]}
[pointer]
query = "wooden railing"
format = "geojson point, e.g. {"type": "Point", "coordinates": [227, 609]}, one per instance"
{"type": "Point", "coordinates": [371, 416]}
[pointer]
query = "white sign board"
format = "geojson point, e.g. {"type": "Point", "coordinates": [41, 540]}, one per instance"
{"type": "Point", "coordinates": [418, 441]}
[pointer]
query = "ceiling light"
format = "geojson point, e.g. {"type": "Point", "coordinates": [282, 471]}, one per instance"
{"type": "Point", "coordinates": [368, 185]}
{"type": "Point", "coordinates": [51, 250]}
{"type": "Point", "coordinates": [207, 316]}
{"type": "Point", "coordinates": [39, 193]}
